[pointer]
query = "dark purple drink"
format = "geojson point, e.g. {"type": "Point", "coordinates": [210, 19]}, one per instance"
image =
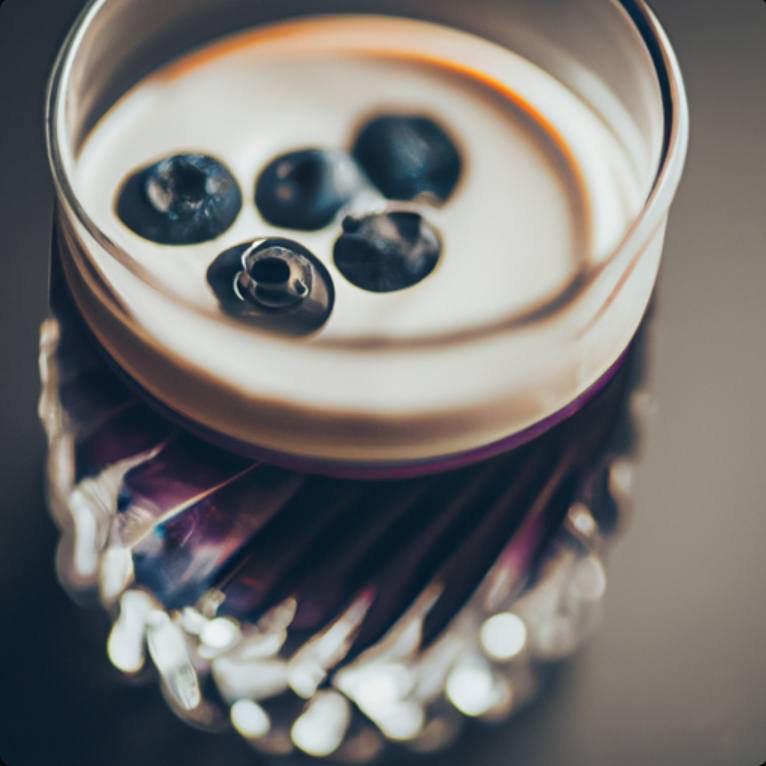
{"type": "Point", "coordinates": [172, 524]}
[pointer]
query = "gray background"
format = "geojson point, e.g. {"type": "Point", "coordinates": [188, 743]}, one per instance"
{"type": "Point", "coordinates": [677, 673]}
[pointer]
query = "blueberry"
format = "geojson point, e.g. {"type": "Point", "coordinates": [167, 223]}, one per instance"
{"type": "Point", "coordinates": [406, 156]}
{"type": "Point", "coordinates": [386, 251]}
{"type": "Point", "coordinates": [182, 200]}
{"type": "Point", "coordinates": [304, 190]}
{"type": "Point", "coordinates": [275, 284]}
{"type": "Point", "coordinates": [274, 277]}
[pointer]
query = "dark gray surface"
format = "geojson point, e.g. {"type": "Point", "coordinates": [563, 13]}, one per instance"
{"type": "Point", "coordinates": [677, 674]}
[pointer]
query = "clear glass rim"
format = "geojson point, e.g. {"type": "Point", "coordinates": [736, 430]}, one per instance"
{"type": "Point", "coordinates": [675, 138]}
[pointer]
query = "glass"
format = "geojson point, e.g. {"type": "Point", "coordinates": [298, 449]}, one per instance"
{"type": "Point", "coordinates": [415, 545]}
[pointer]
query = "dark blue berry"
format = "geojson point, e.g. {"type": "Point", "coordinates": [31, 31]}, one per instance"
{"type": "Point", "coordinates": [182, 200]}
{"type": "Point", "coordinates": [304, 190]}
{"type": "Point", "coordinates": [275, 284]}
{"type": "Point", "coordinates": [406, 156]}
{"type": "Point", "coordinates": [386, 251]}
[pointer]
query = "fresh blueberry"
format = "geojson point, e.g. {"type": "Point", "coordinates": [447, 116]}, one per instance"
{"type": "Point", "coordinates": [182, 200]}
{"type": "Point", "coordinates": [275, 284]}
{"type": "Point", "coordinates": [386, 251]}
{"type": "Point", "coordinates": [406, 156]}
{"type": "Point", "coordinates": [304, 190]}
{"type": "Point", "coordinates": [274, 277]}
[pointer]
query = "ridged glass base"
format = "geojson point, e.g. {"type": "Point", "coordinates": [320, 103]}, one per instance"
{"type": "Point", "coordinates": [324, 615]}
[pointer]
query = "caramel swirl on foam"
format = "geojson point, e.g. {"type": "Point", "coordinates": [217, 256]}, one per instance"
{"type": "Point", "coordinates": [487, 345]}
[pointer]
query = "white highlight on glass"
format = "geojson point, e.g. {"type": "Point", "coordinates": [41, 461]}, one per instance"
{"type": "Point", "coordinates": [582, 520]}
{"type": "Point", "coordinates": [381, 693]}
{"type": "Point", "coordinates": [218, 635]}
{"type": "Point", "coordinates": [261, 645]}
{"type": "Point", "coordinates": [403, 721]}
{"type": "Point", "coordinates": [503, 636]}
{"type": "Point", "coordinates": [87, 546]}
{"type": "Point", "coordinates": [126, 640]}
{"type": "Point", "coordinates": [93, 504]}
{"type": "Point", "coordinates": [193, 621]}
{"type": "Point", "coordinates": [308, 668]}
{"type": "Point", "coordinates": [116, 572]}
{"type": "Point", "coordinates": [256, 679]}
{"type": "Point", "coordinates": [168, 649]}
{"type": "Point", "coordinates": [621, 479]}
{"type": "Point", "coordinates": [250, 719]}
{"type": "Point", "coordinates": [382, 685]}
{"type": "Point", "coordinates": [320, 730]}
{"type": "Point", "coordinates": [473, 688]}
{"type": "Point", "coordinates": [589, 579]}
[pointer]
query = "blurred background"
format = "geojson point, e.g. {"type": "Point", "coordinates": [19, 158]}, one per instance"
{"type": "Point", "coordinates": [677, 673]}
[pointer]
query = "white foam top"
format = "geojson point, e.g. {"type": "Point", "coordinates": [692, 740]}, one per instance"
{"type": "Point", "coordinates": [547, 192]}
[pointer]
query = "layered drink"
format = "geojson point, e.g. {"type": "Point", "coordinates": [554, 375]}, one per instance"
{"type": "Point", "coordinates": [343, 362]}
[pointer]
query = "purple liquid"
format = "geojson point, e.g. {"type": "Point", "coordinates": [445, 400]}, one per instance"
{"type": "Point", "coordinates": [198, 517]}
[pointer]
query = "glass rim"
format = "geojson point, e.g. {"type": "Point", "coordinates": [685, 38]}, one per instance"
{"type": "Point", "coordinates": [392, 423]}
{"type": "Point", "coordinates": [671, 160]}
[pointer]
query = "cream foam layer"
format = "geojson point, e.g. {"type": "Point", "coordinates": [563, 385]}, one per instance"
{"type": "Point", "coordinates": [546, 193]}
